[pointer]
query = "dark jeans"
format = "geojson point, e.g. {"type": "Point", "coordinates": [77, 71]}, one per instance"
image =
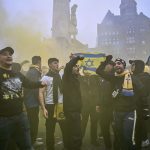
{"type": "Point", "coordinates": [86, 113]}
{"type": "Point", "coordinates": [74, 135]}
{"type": "Point", "coordinates": [50, 128]}
{"type": "Point", "coordinates": [33, 116]}
{"type": "Point", "coordinates": [140, 131]}
{"type": "Point", "coordinates": [124, 123]}
{"type": "Point", "coordinates": [16, 128]}
{"type": "Point", "coordinates": [105, 120]}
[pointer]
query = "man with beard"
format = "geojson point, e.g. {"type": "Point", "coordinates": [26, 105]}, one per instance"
{"type": "Point", "coordinates": [51, 100]}
{"type": "Point", "coordinates": [13, 121]}
{"type": "Point", "coordinates": [72, 103]}
{"type": "Point", "coordinates": [126, 88]}
{"type": "Point", "coordinates": [137, 68]}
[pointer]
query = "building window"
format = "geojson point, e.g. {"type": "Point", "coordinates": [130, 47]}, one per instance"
{"type": "Point", "coordinates": [130, 40]}
{"type": "Point", "coordinates": [131, 30]}
{"type": "Point", "coordinates": [142, 29]}
{"type": "Point", "coordinates": [131, 50]}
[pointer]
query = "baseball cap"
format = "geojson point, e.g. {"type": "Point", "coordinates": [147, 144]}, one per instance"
{"type": "Point", "coordinates": [7, 49]}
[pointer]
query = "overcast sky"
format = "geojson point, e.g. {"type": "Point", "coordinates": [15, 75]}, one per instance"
{"type": "Point", "coordinates": [38, 14]}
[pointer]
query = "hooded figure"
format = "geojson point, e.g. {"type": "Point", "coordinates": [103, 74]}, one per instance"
{"type": "Point", "coordinates": [137, 67]}
{"type": "Point", "coordinates": [148, 61]}
{"type": "Point", "coordinates": [147, 66]}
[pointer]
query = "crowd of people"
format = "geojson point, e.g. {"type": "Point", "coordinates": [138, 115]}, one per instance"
{"type": "Point", "coordinates": [116, 99]}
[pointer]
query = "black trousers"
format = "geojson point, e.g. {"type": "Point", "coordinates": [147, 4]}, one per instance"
{"type": "Point", "coordinates": [86, 113]}
{"type": "Point", "coordinates": [105, 120]}
{"type": "Point", "coordinates": [140, 131]}
{"type": "Point", "coordinates": [50, 128]}
{"type": "Point", "coordinates": [74, 136]}
{"type": "Point", "coordinates": [33, 116]}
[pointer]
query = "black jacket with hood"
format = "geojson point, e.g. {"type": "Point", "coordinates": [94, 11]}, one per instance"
{"type": "Point", "coordinates": [71, 88]}
{"type": "Point", "coordinates": [144, 77]}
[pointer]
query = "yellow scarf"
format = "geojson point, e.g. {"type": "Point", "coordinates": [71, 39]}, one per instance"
{"type": "Point", "coordinates": [58, 112]}
{"type": "Point", "coordinates": [127, 87]}
{"type": "Point", "coordinates": [147, 69]}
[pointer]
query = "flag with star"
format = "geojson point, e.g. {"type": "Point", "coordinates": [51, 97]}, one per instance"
{"type": "Point", "coordinates": [91, 61]}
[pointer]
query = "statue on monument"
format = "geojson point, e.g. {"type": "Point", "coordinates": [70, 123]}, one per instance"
{"type": "Point", "coordinates": [73, 22]}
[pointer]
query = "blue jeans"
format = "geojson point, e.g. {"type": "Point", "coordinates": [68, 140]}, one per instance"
{"type": "Point", "coordinates": [16, 128]}
{"type": "Point", "coordinates": [124, 123]}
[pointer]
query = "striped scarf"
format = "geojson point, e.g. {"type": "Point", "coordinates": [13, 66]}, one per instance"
{"type": "Point", "coordinates": [127, 87]}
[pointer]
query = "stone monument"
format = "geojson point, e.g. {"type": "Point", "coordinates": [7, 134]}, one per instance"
{"type": "Point", "coordinates": [61, 19]}
{"type": "Point", "coordinates": [73, 22]}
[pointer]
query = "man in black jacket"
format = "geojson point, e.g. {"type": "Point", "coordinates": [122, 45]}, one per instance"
{"type": "Point", "coordinates": [13, 121]}
{"type": "Point", "coordinates": [72, 103]}
{"type": "Point", "coordinates": [126, 89]}
{"type": "Point", "coordinates": [105, 106]}
{"type": "Point", "coordinates": [137, 67]}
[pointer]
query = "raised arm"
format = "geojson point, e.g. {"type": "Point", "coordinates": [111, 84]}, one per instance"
{"type": "Point", "coordinates": [101, 70]}
{"type": "Point", "coordinates": [70, 64]}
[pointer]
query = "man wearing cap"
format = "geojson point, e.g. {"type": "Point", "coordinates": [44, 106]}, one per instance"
{"type": "Point", "coordinates": [13, 121]}
{"type": "Point", "coordinates": [126, 89]}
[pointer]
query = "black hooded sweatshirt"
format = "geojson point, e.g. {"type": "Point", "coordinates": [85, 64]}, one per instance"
{"type": "Point", "coordinates": [144, 77]}
{"type": "Point", "coordinates": [71, 88]}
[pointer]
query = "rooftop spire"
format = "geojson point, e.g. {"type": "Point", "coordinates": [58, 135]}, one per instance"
{"type": "Point", "coordinates": [128, 8]}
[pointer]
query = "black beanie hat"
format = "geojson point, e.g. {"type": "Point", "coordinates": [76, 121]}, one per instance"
{"type": "Point", "coordinates": [121, 61]}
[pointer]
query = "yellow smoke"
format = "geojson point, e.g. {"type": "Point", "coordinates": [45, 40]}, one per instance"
{"type": "Point", "coordinates": [27, 44]}
{"type": "Point", "coordinates": [25, 40]}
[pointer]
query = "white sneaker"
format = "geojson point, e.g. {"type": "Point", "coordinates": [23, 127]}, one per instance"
{"type": "Point", "coordinates": [145, 143]}
{"type": "Point", "coordinates": [37, 143]}
{"type": "Point", "coordinates": [39, 139]}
